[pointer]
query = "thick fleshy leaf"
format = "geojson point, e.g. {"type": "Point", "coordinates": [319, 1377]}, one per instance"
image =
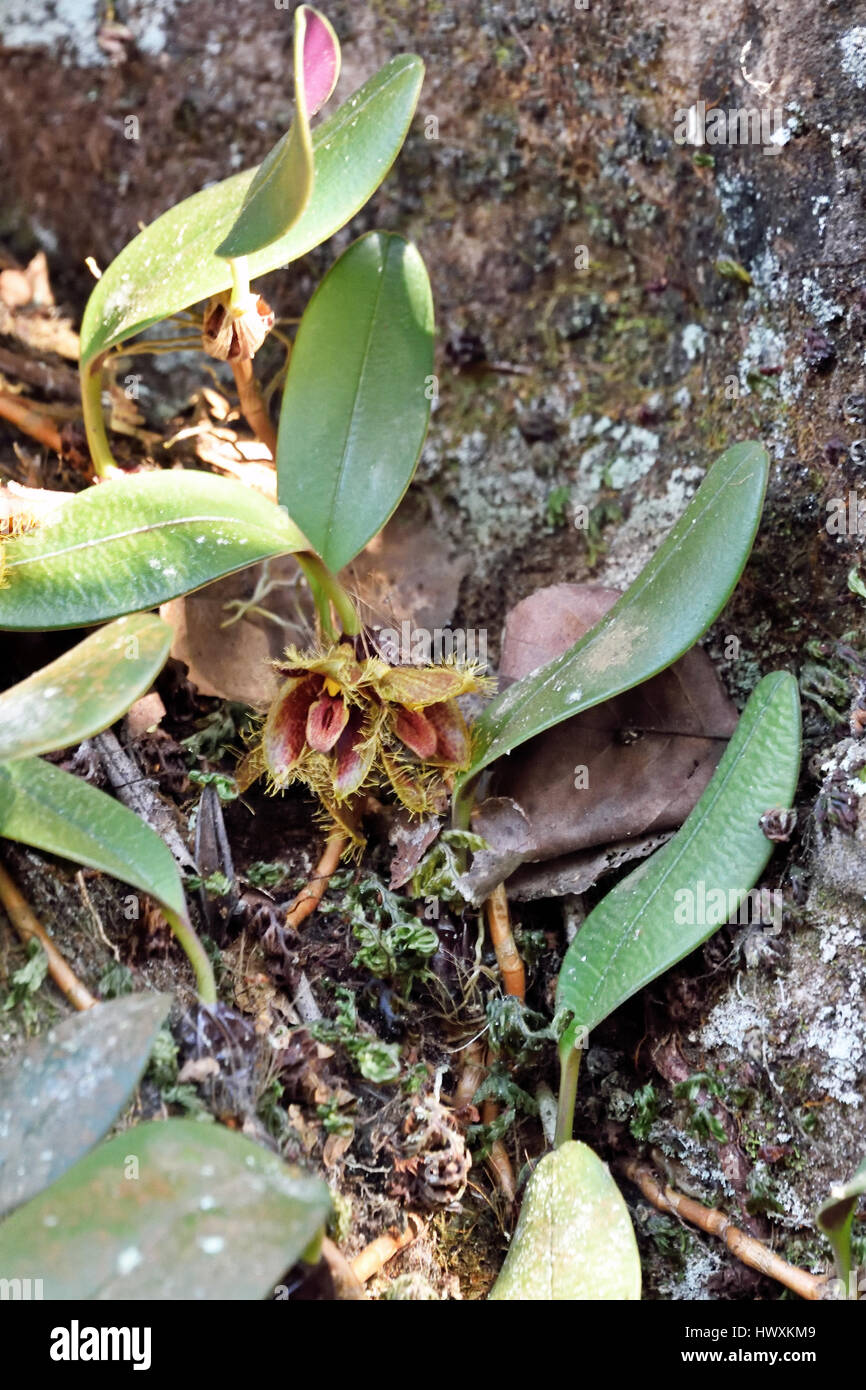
{"type": "Point", "coordinates": [133, 543]}
{"type": "Point", "coordinates": [632, 766]}
{"type": "Point", "coordinates": [85, 690]}
{"type": "Point", "coordinates": [671, 603]}
{"type": "Point", "coordinates": [170, 1210]}
{"type": "Point", "coordinates": [835, 1217]}
{"type": "Point", "coordinates": [283, 182]}
{"type": "Point", "coordinates": [676, 899]}
{"type": "Point", "coordinates": [356, 402]}
{"type": "Point", "coordinates": [65, 1090]}
{"type": "Point", "coordinates": [173, 263]}
{"type": "Point", "coordinates": [43, 806]}
{"type": "Point", "coordinates": [574, 1239]}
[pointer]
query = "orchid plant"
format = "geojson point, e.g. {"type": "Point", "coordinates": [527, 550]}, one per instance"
{"type": "Point", "coordinates": [346, 719]}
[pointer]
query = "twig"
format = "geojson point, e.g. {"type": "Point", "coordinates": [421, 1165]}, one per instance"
{"type": "Point", "coordinates": [22, 414]}
{"type": "Point", "coordinates": [746, 1248]}
{"type": "Point", "coordinates": [29, 928]}
{"type": "Point", "coordinates": [59, 381]}
{"type": "Point", "coordinates": [97, 920]}
{"type": "Point", "coordinates": [376, 1255]}
{"type": "Point", "coordinates": [252, 405]}
{"type": "Point", "coordinates": [139, 794]}
{"type": "Point", "coordinates": [310, 896]}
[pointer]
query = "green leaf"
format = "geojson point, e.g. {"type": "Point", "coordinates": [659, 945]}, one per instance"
{"type": "Point", "coordinates": [855, 583]}
{"type": "Point", "coordinates": [133, 543]}
{"type": "Point", "coordinates": [835, 1217]}
{"type": "Point", "coordinates": [65, 1090]}
{"type": "Point", "coordinates": [673, 600]}
{"type": "Point", "coordinates": [170, 1210]}
{"type": "Point", "coordinates": [173, 263]}
{"type": "Point", "coordinates": [677, 899]}
{"type": "Point", "coordinates": [574, 1239]}
{"type": "Point", "coordinates": [283, 182]}
{"type": "Point", "coordinates": [85, 690]}
{"type": "Point", "coordinates": [355, 406]}
{"type": "Point", "coordinates": [52, 810]}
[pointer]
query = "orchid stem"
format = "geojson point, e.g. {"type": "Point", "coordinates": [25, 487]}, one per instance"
{"type": "Point", "coordinates": [239, 268]}
{"type": "Point", "coordinates": [569, 1063]}
{"type": "Point", "coordinates": [326, 589]}
{"type": "Point", "coordinates": [195, 954]}
{"type": "Point", "coordinates": [104, 464]}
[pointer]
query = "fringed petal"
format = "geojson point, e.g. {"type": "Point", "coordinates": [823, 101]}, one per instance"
{"type": "Point", "coordinates": [354, 757]}
{"type": "Point", "coordinates": [453, 744]}
{"type": "Point", "coordinates": [415, 730]}
{"type": "Point", "coordinates": [284, 736]}
{"type": "Point", "coordinates": [420, 686]}
{"type": "Point", "coordinates": [326, 719]}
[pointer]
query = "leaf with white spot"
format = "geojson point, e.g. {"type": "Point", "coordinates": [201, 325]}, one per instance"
{"type": "Point", "coordinates": [85, 689]}
{"type": "Point", "coordinates": [675, 900]}
{"type": "Point", "coordinates": [664, 612]}
{"type": "Point", "coordinates": [170, 1210]}
{"type": "Point", "coordinates": [133, 543]}
{"type": "Point", "coordinates": [63, 1092]}
{"type": "Point", "coordinates": [574, 1239]}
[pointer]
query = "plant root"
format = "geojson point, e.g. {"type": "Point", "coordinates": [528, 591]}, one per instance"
{"type": "Point", "coordinates": [29, 420]}
{"type": "Point", "coordinates": [373, 1258]}
{"type": "Point", "coordinates": [29, 928]}
{"type": "Point", "coordinates": [514, 983]}
{"type": "Point", "coordinates": [347, 1285]}
{"type": "Point", "coordinates": [507, 954]}
{"type": "Point", "coordinates": [309, 897]}
{"type": "Point", "coordinates": [746, 1248]}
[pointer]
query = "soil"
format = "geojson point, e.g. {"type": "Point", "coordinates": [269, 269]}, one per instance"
{"type": "Point", "coordinates": [613, 308]}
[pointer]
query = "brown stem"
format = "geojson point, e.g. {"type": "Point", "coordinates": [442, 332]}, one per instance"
{"type": "Point", "coordinates": [347, 1285]}
{"type": "Point", "coordinates": [310, 896]}
{"type": "Point", "coordinates": [22, 414]}
{"type": "Point", "coordinates": [507, 954]}
{"type": "Point", "coordinates": [513, 983]}
{"type": "Point", "coordinates": [470, 1077]}
{"type": "Point", "coordinates": [252, 404]}
{"type": "Point", "coordinates": [29, 928]}
{"type": "Point", "coordinates": [372, 1259]}
{"type": "Point", "coordinates": [497, 1158]}
{"type": "Point", "coordinates": [746, 1248]}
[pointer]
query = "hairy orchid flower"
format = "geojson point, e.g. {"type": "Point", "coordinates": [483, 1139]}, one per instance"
{"type": "Point", "coordinates": [345, 720]}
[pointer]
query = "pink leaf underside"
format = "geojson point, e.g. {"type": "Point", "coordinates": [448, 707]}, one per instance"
{"type": "Point", "coordinates": [326, 720]}
{"type": "Point", "coordinates": [321, 62]}
{"type": "Point", "coordinates": [285, 731]}
{"type": "Point", "coordinates": [353, 761]}
{"type": "Point", "coordinates": [415, 730]}
{"type": "Point", "coordinates": [452, 735]}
